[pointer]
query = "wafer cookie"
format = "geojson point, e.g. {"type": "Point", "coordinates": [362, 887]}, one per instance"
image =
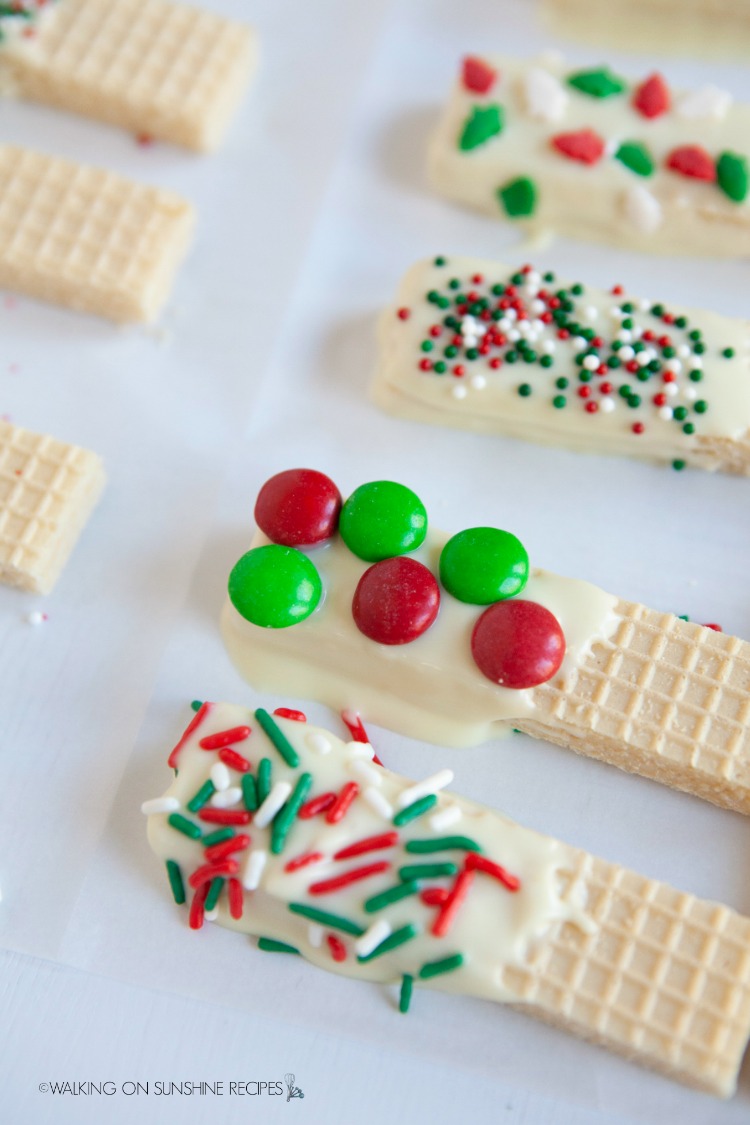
{"type": "Point", "coordinates": [279, 829]}
{"type": "Point", "coordinates": [457, 640]}
{"type": "Point", "coordinates": [157, 69]}
{"type": "Point", "coordinates": [485, 347]}
{"type": "Point", "coordinates": [86, 238]}
{"type": "Point", "coordinates": [591, 154]}
{"type": "Point", "coordinates": [48, 490]}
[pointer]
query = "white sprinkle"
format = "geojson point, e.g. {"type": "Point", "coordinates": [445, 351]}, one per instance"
{"type": "Point", "coordinates": [533, 277]}
{"type": "Point", "coordinates": [545, 98]}
{"type": "Point", "coordinates": [642, 209]}
{"type": "Point", "coordinates": [591, 362]}
{"type": "Point", "coordinates": [708, 101]}
{"type": "Point", "coordinates": [642, 358]}
{"type": "Point", "coordinates": [537, 307]}
{"type": "Point", "coordinates": [273, 802]}
{"type": "Point", "coordinates": [671, 389]}
{"type": "Point", "coordinates": [211, 915]}
{"type": "Point", "coordinates": [220, 776]}
{"type": "Point", "coordinates": [377, 802]}
{"type": "Point", "coordinates": [511, 314]}
{"type": "Point", "coordinates": [644, 304]}
{"type": "Point", "coordinates": [478, 382]}
{"type": "Point", "coordinates": [616, 312]}
{"type": "Point", "coordinates": [684, 351]}
{"type": "Point", "coordinates": [514, 335]}
{"type": "Point", "coordinates": [447, 817]}
{"type": "Point", "coordinates": [424, 788]}
{"type": "Point", "coordinates": [697, 362]}
{"type": "Point", "coordinates": [637, 332]}
{"type": "Point", "coordinates": [666, 413]}
{"type": "Point", "coordinates": [624, 335]}
{"type": "Point", "coordinates": [591, 312]}
{"type": "Point", "coordinates": [367, 772]}
{"type": "Point", "coordinates": [611, 145]}
{"type": "Point", "coordinates": [675, 365]}
{"type": "Point", "coordinates": [355, 750]}
{"type": "Point", "coordinates": [459, 391]}
{"type": "Point", "coordinates": [373, 937]}
{"type": "Point", "coordinates": [315, 935]}
{"type": "Point", "coordinates": [503, 324]}
{"type": "Point", "coordinates": [225, 798]}
{"type": "Point", "coordinates": [690, 393]}
{"type": "Point", "coordinates": [36, 617]}
{"type": "Point", "coordinates": [626, 353]}
{"type": "Point", "coordinates": [160, 805]}
{"type": "Point", "coordinates": [253, 869]}
{"type": "Point", "coordinates": [318, 742]}
{"type": "Point", "coordinates": [607, 404]}
{"type": "Point", "coordinates": [549, 347]}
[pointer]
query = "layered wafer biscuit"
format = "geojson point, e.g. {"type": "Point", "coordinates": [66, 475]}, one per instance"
{"type": "Point", "coordinates": [522, 352]}
{"type": "Point", "coordinates": [457, 640]}
{"type": "Point", "coordinates": [86, 238]}
{"type": "Point", "coordinates": [48, 490]}
{"type": "Point", "coordinates": [279, 829]}
{"type": "Point", "coordinates": [716, 28]}
{"type": "Point", "coordinates": [592, 154]}
{"type": "Point", "coordinates": [157, 69]}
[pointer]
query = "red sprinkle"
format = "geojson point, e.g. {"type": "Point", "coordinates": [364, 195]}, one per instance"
{"type": "Point", "coordinates": [340, 806]}
{"type": "Point", "coordinates": [425, 365]}
{"type": "Point", "coordinates": [452, 904]}
{"type": "Point", "coordinates": [585, 146]}
{"type": "Point", "coordinates": [355, 726]}
{"type": "Point", "coordinates": [631, 366]}
{"type": "Point", "coordinates": [145, 140]}
{"type": "Point", "coordinates": [458, 369]}
{"type": "Point", "coordinates": [327, 886]}
{"type": "Point", "coordinates": [236, 898]}
{"type": "Point", "coordinates": [234, 760]}
{"type": "Point", "coordinates": [712, 625]}
{"type": "Point", "coordinates": [226, 847]}
{"type": "Point", "coordinates": [403, 314]}
{"type": "Point", "coordinates": [495, 363]}
{"type": "Point", "coordinates": [289, 713]}
{"type": "Point", "coordinates": [591, 407]}
{"type": "Point", "coordinates": [476, 862]}
{"type": "Point", "coordinates": [669, 377]}
{"type": "Point", "coordinates": [638, 427]}
{"type": "Point", "coordinates": [584, 391]}
{"type": "Point", "coordinates": [369, 844]}
{"type": "Point", "coordinates": [692, 161]}
{"type": "Point", "coordinates": [435, 331]}
{"type": "Point", "coordinates": [195, 917]}
{"type": "Point", "coordinates": [617, 291]}
{"type": "Point", "coordinates": [211, 871]}
{"type": "Point", "coordinates": [433, 896]}
{"type": "Point", "coordinates": [224, 738]}
{"type": "Point", "coordinates": [337, 947]}
{"type": "Point", "coordinates": [606, 388]}
{"type": "Point", "coordinates": [477, 278]}
{"type": "Point", "coordinates": [660, 399]}
{"type": "Point", "coordinates": [303, 861]}
{"type": "Point", "coordinates": [194, 723]}
{"type": "Point", "coordinates": [225, 816]}
{"type": "Point", "coordinates": [652, 98]}
{"type": "Point", "coordinates": [316, 805]}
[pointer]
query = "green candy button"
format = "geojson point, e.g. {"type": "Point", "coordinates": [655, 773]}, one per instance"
{"type": "Point", "coordinates": [383, 519]}
{"type": "Point", "coordinates": [483, 565]}
{"type": "Point", "coordinates": [274, 586]}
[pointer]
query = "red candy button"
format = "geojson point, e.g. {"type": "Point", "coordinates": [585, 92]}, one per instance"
{"type": "Point", "coordinates": [518, 644]}
{"type": "Point", "coordinates": [477, 75]}
{"type": "Point", "coordinates": [693, 161]}
{"type": "Point", "coordinates": [396, 600]}
{"type": "Point", "coordinates": [585, 145]}
{"type": "Point", "coordinates": [298, 508]}
{"type": "Point", "coordinates": [652, 98]}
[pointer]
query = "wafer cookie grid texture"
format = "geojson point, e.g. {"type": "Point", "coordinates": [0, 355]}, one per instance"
{"type": "Point", "coordinates": [47, 491]}
{"type": "Point", "coordinates": [86, 238]}
{"type": "Point", "coordinates": [663, 697]}
{"type": "Point", "coordinates": [168, 70]}
{"type": "Point", "coordinates": [663, 976]}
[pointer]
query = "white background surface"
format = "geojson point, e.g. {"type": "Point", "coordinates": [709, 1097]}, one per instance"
{"type": "Point", "coordinates": [306, 219]}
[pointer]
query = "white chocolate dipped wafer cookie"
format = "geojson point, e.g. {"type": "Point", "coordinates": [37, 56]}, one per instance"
{"type": "Point", "coordinates": [458, 640]}
{"type": "Point", "coordinates": [86, 238]}
{"type": "Point", "coordinates": [522, 352]}
{"type": "Point", "coordinates": [160, 70]}
{"type": "Point", "coordinates": [590, 154]}
{"type": "Point", "coordinates": [279, 829]}
{"type": "Point", "coordinates": [48, 490]}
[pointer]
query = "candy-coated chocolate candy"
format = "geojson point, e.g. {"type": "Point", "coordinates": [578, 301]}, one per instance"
{"type": "Point", "coordinates": [396, 600]}
{"type": "Point", "coordinates": [483, 565]}
{"type": "Point", "coordinates": [274, 586]}
{"type": "Point", "coordinates": [298, 508]}
{"type": "Point", "coordinates": [382, 519]}
{"type": "Point", "coordinates": [518, 644]}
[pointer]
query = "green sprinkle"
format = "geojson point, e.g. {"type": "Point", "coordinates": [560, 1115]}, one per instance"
{"type": "Point", "coordinates": [614, 362]}
{"type": "Point", "coordinates": [680, 322]}
{"type": "Point", "coordinates": [680, 413]}
{"type": "Point", "coordinates": [415, 809]}
{"type": "Point", "coordinates": [576, 289]}
{"type": "Point", "coordinates": [263, 781]}
{"type": "Point", "coordinates": [280, 741]}
{"type": "Point", "coordinates": [218, 837]}
{"type": "Point", "coordinates": [335, 921]}
{"type": "Point", "coordinates": [559, 402]}
{"type": "Point", "coordinates": [398, 937]}
{"type": "Point", "coordinates": [701, 406]}
{"type": "Point", "coordinates": [732, 176]}
{"type": "Point", "coordinates": [530, 356]}
{"type": "Point", "coordinates": [634, 401]}
{"type": "Point", "coordinates": [415, 871]}
{"type": "Point", "coordinates": [440, 261]}
{"type": "Point", "coordinates": [625, 391]}
{"type": "Point", "coordinates": [585, 375]}
{"type": "Point", "coordinates": [175, 881]}
{"type": "Point", "coordinates": [393, 894]}
{"type": "Point", "coordinates": [443, 303]}
{"type": "Point", "coordinates": [204, 794]}
{"type": "Point", "coordinates": [696, 334]}
{"type": "Point", "coordinates": [196, 704]}
{"type": "Point", "coordinates": [285, 818]}
{"type": "Point", "coordinates": [213, 893]}
{"type": "Point", "coordinates": [678, 465]}
{"type": "Point", "coordinates": [454, 283]}
{"type": "Point", "coordinates": [443, 843]}
{"type": "Point", "coordinates": [696, 375]}
{"type": "Point", "coordinates": [446, 965]}
{"type": "Point", "coordinates": [549, 277]}
{"type": "Point", "coordinates": [511, 356]}
{"type": "Point", "coordinates": [643, 375]}
{"type": "Point", "coordinates": [546, 361]}
{"type": "Point", "coordinates": [498, 289]}
{"type": "Point", "coordinates": [668, 352]}
{"type": "Point", "coordinates": [472, 353]}
{"type": "Point", "coordinates": [688, 428]}
{"type": "Point", "coordinates": [407, 987]}
{"type": "Point", "coordinates": [657, 310]}
{"type": "Point", "coordinates": [627, 322]}
{"type": "Point", "coordinates": [185, 826]}
{"type": "Point", "coordinates": [728, 353]}
{"type": "Point", "coordinates": [637, 158]}
{"type": "Point", "coordinates": [699, 348]}
{"type": "Point", "coordinates": [268, 945]}
{"type": "Point", "coordinates": [433, 296]}
{"type": "Point", "coordinates": [524, 390]}
{"type": "Point", "coordinates": [518, 197]}
{"type": "Point", "coordinates": [483, 123]}
{"type": "Point", "coordinates": [517, 279]}
{"type": "Point", "coordinates": [561, 383]}
{"type": "Point", "coordinates": [451, 351]}
{"type": "Point", "coordinates": [439, 368]}
{"type": "Point", "coordinates": [427, 345]}
{"type": "Point", "coordinates": [597, 83]}
{"type": "Point", "coordinates": [249, 792]}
